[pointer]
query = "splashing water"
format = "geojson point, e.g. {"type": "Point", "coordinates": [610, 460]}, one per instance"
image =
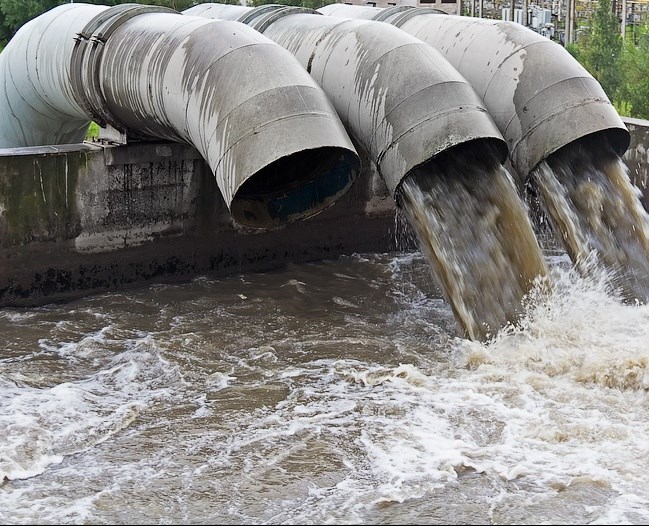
{"type": "Point", "coordinates": [337, 392]}
{"type": "Point", "coordinates": [334, 392]}
{"type": "Point", "coordinates": [586, 192]}
{"type": "Point", "coordinates": [476, 232]}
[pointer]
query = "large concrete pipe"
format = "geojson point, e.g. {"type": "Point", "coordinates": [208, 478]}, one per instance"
{"type": "Point", "coordinates": [540, 97]}
{"type": "Point", "coordinates": [400, 99]}
{"type": "Point", "coordinates": [272, 138]}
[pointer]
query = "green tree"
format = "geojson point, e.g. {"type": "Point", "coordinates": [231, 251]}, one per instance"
{"type": "Point", "coordinates": [635, 66]}
{"type": "Point", "coordinates": [14, 13]}
{"type": "Point", "coordinates": [4, 33]}
{"type": "Point", "coordinates": [600, 49]}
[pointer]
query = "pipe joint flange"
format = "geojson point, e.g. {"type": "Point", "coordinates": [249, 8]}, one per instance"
{"type": "Point", "coordinates": [402, 17]}
{"type": "Point", "coordinates": [261, 17]}
{"type": "Point", "coordinates": [390, 11]}
{"type": "Point", "coordinates": [85, 63]}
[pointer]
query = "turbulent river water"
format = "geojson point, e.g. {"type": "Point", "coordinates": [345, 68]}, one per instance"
{"type": "Point", "coordinates": [332, 392]}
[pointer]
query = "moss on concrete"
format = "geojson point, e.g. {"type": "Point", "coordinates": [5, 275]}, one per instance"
{"type": "Point", "coordinates": [38, 197]}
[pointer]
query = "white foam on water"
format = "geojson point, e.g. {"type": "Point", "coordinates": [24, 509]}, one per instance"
{"type": "Point", "coordinates": [87, 347]}
{"type": "Point", "coordinates": [16, 316]}
{"type": "Point", "coordinates": [554, 406]}
{"type": "Point", "coordinates": [42, 426]}
{"type": "Point", "coordinates": [562, 397]}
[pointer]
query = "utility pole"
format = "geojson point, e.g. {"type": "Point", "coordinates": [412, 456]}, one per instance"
{"type": "Point", "coordinates": [570, 21]}
{"type": "Point", "coordinates": [623, 27]}
{"type": "Point", "coordinates": [525, 13]}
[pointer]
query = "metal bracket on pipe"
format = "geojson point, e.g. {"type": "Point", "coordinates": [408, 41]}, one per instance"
{"type": "Point", "coordinates": [404, 15]}
{"type": "Point", "coordinates": [109, 134]}
{"type": "Point", "coordinates": [389, 11]}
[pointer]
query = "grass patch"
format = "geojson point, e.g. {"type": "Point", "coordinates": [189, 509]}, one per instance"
{"type": "Point", "coordinates": [92, 134]}
{"type": "Point", "coordinates": [623, 108]}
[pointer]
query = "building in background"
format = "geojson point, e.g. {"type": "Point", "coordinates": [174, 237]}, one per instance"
{"type": "Point", "coordinates": [483, 8]}
{"type": "Point", "coordinates": [547, 17]}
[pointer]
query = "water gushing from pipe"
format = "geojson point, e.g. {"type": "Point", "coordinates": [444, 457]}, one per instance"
{"type": "Point", "coordinates": [594, 208]}
{"type": "Point", "coordinates": [477, 235]}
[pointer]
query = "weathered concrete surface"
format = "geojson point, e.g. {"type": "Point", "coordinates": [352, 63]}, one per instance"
{"type": "Point", "coordinates": [86, 219]}
{"type": "Point", "coordinates": [81, 219]}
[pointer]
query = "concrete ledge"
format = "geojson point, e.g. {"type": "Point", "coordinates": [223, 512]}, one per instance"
{"type": "Point", "coordinates": [149, 153]}
{"type": "Point", "coordinates": [83, 219]}
{"type": "Point", "coordinates": [48, 149]}
{"type": "Point", "coordinates": [86, 218]}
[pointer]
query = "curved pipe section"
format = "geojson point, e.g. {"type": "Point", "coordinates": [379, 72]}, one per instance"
{"type": "Point", "coordinates": [540, 97]}
{"type": "Point", "coordinates": [37, 104]}
{"type": "Point", "coordinates": [268, 132]}
{"type": "Point", "coordinates": [401, 100]}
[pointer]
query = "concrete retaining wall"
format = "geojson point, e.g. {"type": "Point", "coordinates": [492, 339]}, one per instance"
{"type": "Point", "coordinates": [81, 219]}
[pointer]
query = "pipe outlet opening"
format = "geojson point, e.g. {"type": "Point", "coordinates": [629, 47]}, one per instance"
{"type": "Point", "coordinates": [476, 156]}
{"type": "Point", "coordinates": [295, 187]}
